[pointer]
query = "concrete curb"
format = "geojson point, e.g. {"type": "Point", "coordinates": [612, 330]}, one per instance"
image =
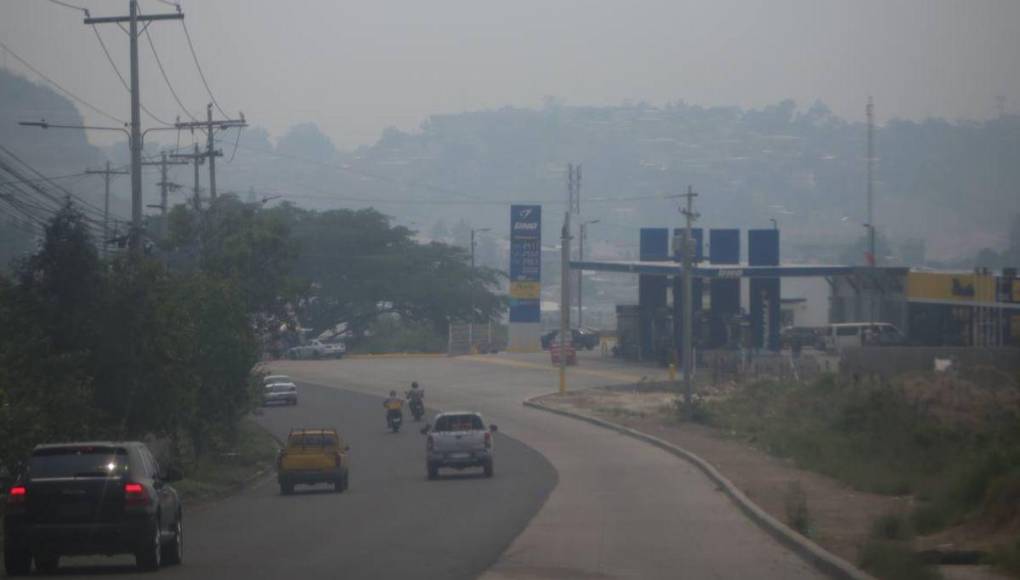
{"type": "Point", "coordinates": [825, 561]}
{"type": "Point", "coordinates": [395, 355]}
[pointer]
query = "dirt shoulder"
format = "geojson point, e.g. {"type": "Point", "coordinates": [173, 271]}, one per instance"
{"type": "Point", "coordinates": [839, 518]}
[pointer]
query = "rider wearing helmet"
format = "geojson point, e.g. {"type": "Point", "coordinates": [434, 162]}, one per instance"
{"type": "Point", "coordinates": [415, 394]}
{"type": "Point", "coordinates": [393, 406]}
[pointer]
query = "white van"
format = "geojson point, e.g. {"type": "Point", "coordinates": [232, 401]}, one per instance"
{"type": "Point", "coordinates": [848, 334]}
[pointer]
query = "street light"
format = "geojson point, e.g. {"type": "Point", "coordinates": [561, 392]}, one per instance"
{"type": "Point", "coordinates": [135, 236]}
{"type": "Point", "coordinates": [473, 232]}
{"type": "Point", "coordinates": [580, 272]}
{"type": "Point", "coordinates": [471, 323]}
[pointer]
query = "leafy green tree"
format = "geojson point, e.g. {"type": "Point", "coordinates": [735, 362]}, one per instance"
{"type": "Point", "coordinates": [49, 315]}
{"type": "Point", "coordinates": [359, 267]}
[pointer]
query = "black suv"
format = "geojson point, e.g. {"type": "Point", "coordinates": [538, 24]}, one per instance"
{"type": "Point", "coordinates": [92, 498]}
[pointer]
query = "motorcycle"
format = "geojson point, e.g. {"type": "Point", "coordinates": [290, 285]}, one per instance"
{"type": "Point", "coordinates": [394, 419]}
{"type": "Point", "coordinates": [417, 409]}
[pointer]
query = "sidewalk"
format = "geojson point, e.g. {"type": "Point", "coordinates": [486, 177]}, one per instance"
{"type": "Point", "coordinates": [840, 518]}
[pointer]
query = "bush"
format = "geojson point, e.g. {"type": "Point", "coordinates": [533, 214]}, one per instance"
{"type": "Point", "coordinates": [892, 527]}
{"type": "Point", "coordinates": [894, 561]}
{"type": "Point", "coordinates": [1008, 558]}
{"type": "Point", "coordinates": [797, 515]}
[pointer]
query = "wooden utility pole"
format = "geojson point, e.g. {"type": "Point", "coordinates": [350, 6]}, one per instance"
{"type": "Point", "coordinates": [107, 174]}
{"type": "Point", "coordinates": [132, 20]}
{"type": "Point", "coordinates": [164, 187]}
{"type": "Point", "coordinates": [688, 257]}
{"type": "Point", "coordinates": [198, 158]}
{"type": "Point", "coordinates": [210, 126]}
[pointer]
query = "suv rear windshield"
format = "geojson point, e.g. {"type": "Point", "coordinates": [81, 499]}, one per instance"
{"type": "Point", "coordinates": [459, 423]}
{"type": "Point", "coordinates": [282, 388]}
{"type": "Point", "coordinates": [78, 462]}
{"type": "Point", "coordinates": [312, 440]}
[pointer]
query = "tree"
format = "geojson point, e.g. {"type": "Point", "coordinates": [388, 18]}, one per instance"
{"type": "Point", "coordinates": [241, 242]}
{"type": "Point", "coordinates": [359, 267]}
{"type": "Point", "coordinates": [49, 315]}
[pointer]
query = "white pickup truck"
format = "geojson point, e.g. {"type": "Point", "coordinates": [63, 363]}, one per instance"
{"type": "Point", "coordinates": [459, 440]}
{"type": "Point", "coordinates": [318, 349]}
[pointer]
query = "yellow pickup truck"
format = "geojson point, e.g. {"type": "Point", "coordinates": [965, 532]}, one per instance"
{"type": "Point", "coordinates": [313, 456]}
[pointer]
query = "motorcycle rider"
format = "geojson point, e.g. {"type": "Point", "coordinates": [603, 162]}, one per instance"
{"type": "Point", "coordinates": [394, 407]}
{"type": "Point", "coordinates": [416, 396]}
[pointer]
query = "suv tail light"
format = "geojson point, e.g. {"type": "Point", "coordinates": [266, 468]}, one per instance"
{"type": "Point", "coordinates": [488, 440]}
{"type": "Point", "coordinates": [135, 494]}
{"type": "Point", "coordinates": [17, 495]}
{"type": "Point", "coordinates": [430, 443]}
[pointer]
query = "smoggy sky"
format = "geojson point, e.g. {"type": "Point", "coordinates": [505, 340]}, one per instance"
{"type": "Point", "coordinates": [357, 67]}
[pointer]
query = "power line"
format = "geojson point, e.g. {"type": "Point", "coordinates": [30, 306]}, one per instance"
{"type": "Point", "coordinates": [200, 72]}
{"type": "Point", "coordinates": [72, 6]}
{"type": "Point", "coordinates": [62, 89]}
{"type": "Point", "coordinates": [22, 181]}
{"type": "Point", "coordinates": [162, 71]}
{"type": "Point", "coordinates": [123, 82]}
{"type": "Point", "coordinates": [34, 187]}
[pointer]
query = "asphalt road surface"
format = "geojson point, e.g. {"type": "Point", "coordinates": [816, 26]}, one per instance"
{"type": "Point", "coordinates": [391, 523]}
{"type": "Point", "coordinates": [621, 509]}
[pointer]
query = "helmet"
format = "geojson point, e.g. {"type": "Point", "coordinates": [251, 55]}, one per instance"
{"type": "Point", "coordinates": [414, 384]}
{"type": "Point", "coordinates": [393, 393]}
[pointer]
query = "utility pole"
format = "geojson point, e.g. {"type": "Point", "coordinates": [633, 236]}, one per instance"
{"type": "Point", "coordinates": [471, 323]}
{"type": "Point", "coordinates": [583, 234]}
{"type": "Point", "coordinates": [870, 109]}
{"type": "Point", "coordinates": [198, 159]}
{"type": "Point", "coordinates": [210, 126]}
{"type": "Point", "coordinates": [132, 19]}
{"type": "Point", "coordinates": [164, 187]}
{"type": "Point", "coordinates": [688, 306]}
{"type": "Point", "coordinates": [564, 299]}
{"type": "Point", "coordinates": [872, 256]}
{"type": "Point", "coordinates": [107, 174]}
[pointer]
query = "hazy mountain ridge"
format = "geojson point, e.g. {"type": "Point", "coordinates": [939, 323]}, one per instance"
{"type": "Point", "coordinates": [951, 185]}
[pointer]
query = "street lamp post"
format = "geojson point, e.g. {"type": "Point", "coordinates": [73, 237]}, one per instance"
{"type": "Point", "coordinates": [580, 272]}
{"type": "Point", "coordinates": [135, 144]}
{"type": "Point", "coordinates": [471, 322]}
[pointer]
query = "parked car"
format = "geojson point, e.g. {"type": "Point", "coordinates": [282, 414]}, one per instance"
{"type": "Point", "coordinates": [92, 498]}
{"type": "Point", "coordinates": [582, 338]}
{"type": "Point", "coordinates": [459, 440]}
{"type": "Point", "coordinates": [317, 349]}
{"type": "Point", "coordinates": [313, 456]}
{"type": "Point", "coordinates": [285, 393]}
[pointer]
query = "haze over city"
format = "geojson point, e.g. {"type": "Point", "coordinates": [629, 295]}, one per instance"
{"type": "Point", "coordinates": [357, 68]}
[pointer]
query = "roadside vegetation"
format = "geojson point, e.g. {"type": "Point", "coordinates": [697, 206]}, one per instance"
{"type": "Point", "coordinates": [957, 452]}
{"type": "Point", "coordinates": [214, 475]}
{"type": "Point", "coordinates": [162, 346]}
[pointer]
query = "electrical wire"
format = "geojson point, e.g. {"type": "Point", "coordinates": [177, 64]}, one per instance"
{"type": "Point", "coordinates": [162, 71]}
{"type": "Point", "coordinates": [237, 142]}
{"type": "Point", "coordinates": [72, 6]}
{"type": "Point", "coordinates": [60, 88]}
{"type": "Point", "coordinates": [87, 206]}
{"type": "Point", "coordinates": [123, 82]}
{"type": "Point", "coordinates": [201, 74]}
{"type": "Point", "coordinates": [21, 181]}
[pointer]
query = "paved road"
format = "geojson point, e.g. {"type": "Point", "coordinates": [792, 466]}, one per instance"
{"type": "Point", "coordinates": [621, 509]}
{"type": "Point", "coordinates": [391, 523]}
